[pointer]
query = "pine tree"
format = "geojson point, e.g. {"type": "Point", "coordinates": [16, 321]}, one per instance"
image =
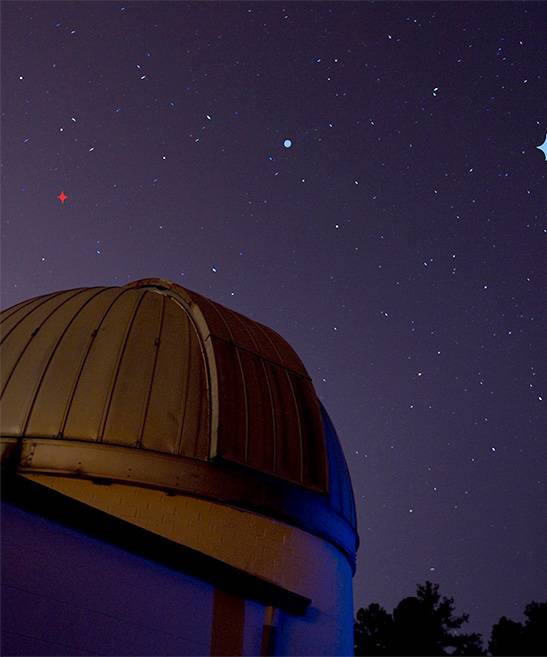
{"type": "Point", "coordinates": [511, 638]}
{"type": "Point", "coordinates": [424, 624]}
{"type": "Point", "coordinates": [373, 631]}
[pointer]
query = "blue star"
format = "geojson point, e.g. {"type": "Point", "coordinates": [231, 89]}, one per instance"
{"type": "Point", "coordinates": [543, 147]}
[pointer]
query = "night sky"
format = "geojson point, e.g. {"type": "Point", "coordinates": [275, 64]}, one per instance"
{"type": "Point", "coordinates": [362, 177]}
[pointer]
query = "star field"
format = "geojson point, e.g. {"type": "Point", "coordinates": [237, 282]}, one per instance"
{"type": "Point", "coordinates": [362, 177]}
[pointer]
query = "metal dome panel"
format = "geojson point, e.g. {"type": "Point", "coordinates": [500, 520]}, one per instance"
{"type": "Point", "coordinates": [119, 366]}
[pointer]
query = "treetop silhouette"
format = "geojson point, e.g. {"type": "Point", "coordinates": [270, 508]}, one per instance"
{"type": "Point", "coordinates": [426, 624]}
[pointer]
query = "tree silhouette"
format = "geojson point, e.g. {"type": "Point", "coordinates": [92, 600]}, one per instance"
{"type": "Point", "coordinates": [511, 638]}
{"type": "Point", "coordinates": [506, 638]}
{"type": "Point", "coordinates": [373, 631]}
{"type": "Point", "coordinates": [535, 628]}
{"type": "Point", "coordinates": [423, 624]}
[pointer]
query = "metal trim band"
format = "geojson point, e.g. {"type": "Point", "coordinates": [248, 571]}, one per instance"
{"type": "Point", "coordinates": [220, 481]}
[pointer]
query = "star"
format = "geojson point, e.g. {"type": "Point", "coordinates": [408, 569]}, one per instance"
{"type": "Point", "coordinates": [543, 147]}
{"type": "Point", "coordinates": [62, 197]}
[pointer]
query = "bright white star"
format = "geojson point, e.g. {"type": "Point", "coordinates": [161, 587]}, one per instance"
{"type": "Point", "coordinates": [543, 147]}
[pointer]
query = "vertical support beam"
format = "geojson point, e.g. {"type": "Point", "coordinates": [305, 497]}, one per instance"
{"type": "Point", "coordinates": [269, 629]}
{"type": "Point", "coordinates": [228, 624]}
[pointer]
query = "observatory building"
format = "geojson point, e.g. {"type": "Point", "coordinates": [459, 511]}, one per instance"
{"type": "Point", "coordinates": [171, 483]}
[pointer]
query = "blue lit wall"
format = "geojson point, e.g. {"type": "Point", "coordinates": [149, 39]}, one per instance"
{"type": "Point", "coordinates": [66, 593]}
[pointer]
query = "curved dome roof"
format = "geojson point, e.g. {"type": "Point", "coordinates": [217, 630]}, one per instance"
{"type": "Point", "coordinates": [154, 384]}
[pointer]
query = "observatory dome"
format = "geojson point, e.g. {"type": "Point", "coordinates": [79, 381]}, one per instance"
{"type": "Point", "coordinates": [153, 385]}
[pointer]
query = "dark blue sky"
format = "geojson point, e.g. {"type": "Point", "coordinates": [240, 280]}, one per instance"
{"type": "Point", "coordinates": [398, 244]}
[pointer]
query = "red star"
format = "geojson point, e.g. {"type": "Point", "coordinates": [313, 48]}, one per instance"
{"type": "Point", "coordinates": [62, 197]}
